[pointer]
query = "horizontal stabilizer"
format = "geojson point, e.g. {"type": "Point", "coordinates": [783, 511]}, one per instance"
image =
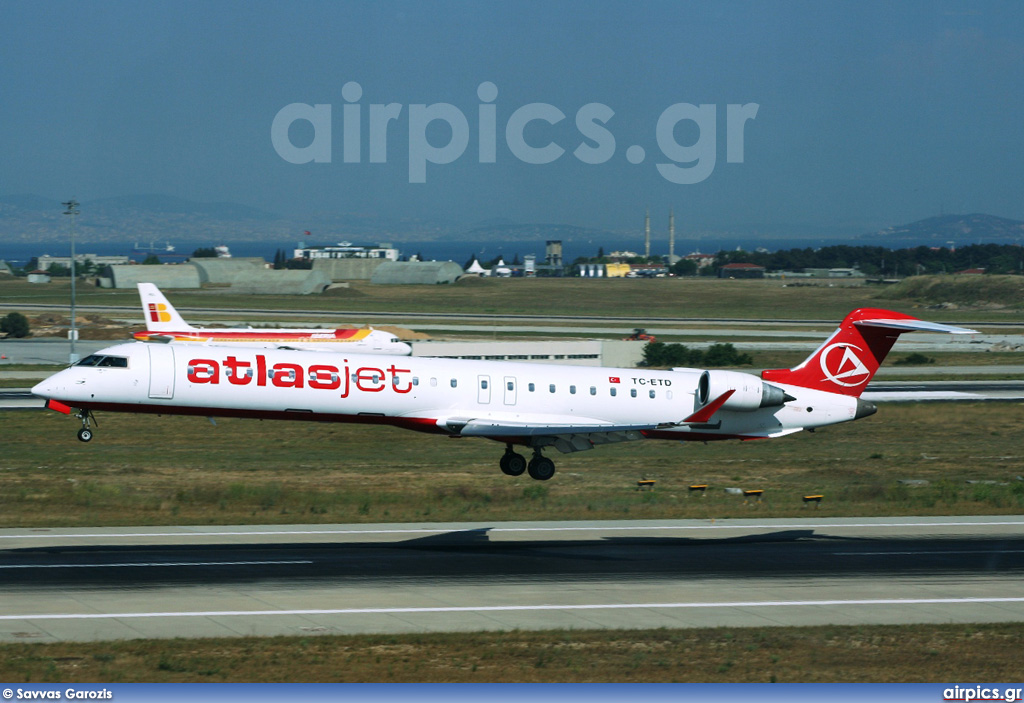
{"type": "Point", "coordinates": [915, 326]}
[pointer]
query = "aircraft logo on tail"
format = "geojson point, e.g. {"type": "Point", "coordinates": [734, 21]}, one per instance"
{"type": "Point", "coordinates": [849, 366]}
{"type": "Point", "coordinates": [158, 312]}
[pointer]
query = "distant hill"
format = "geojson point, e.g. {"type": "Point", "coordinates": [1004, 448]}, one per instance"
{"type": "Point", "coordinates": [959, 229]}
{"type": "Point", "coordinates": [169, 205]}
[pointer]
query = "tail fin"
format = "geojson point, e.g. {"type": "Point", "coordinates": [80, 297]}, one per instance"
{"type": "Point", "coordinates": [848, 359]}
{"type": "Point", "coordinates": [159, 314]}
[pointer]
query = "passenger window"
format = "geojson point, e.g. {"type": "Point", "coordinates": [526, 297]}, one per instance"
{"type": "Point", "coordinates": [651, 393]}
{"type": "Point", "coordinates": [593, 390]}
{"type": "Point", "coordinates": [510, 386]}
{"type": "Point", "coordinates": [455, 383]}
{"type": "Point", "coordinates": [551, 388]}
{"type": "Point", "coordinates": [483, 384]}
{"type": "Point", "coordinates": [632, 392]}
{"type": "Point", "coordinates": [433, 382]}
{"type": "Point", "coordinates": [668, 394]}
{"type": "Point", "coordinates": [612, 391]}
{"type": "Point", "coordinates": [415, 380]}
{"type": "Point", "coordinates": [531, 387]}
{"type": "Point", "coordinates": [572, 390]}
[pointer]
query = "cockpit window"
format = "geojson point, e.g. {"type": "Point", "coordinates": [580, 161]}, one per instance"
{"type": "Point", "coordinates": [115, 362]}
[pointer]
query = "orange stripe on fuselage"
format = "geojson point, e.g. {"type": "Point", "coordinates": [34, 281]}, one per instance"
{"type": "Point", "coordinates": [325, 337]}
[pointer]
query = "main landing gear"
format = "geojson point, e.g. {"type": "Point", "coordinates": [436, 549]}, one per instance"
{"type": "Point", "coordinates": [540, 467]}
{"type": "Point", "coordinates": [86, 416]}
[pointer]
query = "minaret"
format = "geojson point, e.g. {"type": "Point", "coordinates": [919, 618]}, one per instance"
{"type": "Point", "coordinates": [671, 237]}
{"type": "Point", "coordinates": [647, 234]}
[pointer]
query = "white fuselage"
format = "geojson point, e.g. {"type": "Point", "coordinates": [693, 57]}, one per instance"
{"type": "Point", "coordinates": [419, 393]}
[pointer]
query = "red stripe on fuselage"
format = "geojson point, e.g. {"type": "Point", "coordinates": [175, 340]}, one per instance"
{"type": "Point", "coordinates": [419, 424]}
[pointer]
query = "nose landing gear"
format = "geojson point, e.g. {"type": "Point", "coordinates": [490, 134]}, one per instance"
{"type": "Point", "coordinates": [86, 416]}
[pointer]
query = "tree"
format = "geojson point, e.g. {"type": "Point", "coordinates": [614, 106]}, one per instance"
{"type": "Point", "coordinates": [280, 259]}
{"type": "Point", "coordinates": [151, 260]}
{"type": "Point", "coordinates": [685, 267]}
{"type": "Point", "coordinates": [204, 253]}
{"type": "Point", "coordinates": [15, 325]}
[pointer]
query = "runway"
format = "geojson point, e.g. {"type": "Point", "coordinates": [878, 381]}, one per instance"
{"type": "Point", "coordinates": [115, 583]}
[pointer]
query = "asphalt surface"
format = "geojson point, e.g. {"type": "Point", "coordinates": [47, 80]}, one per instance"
{"type": "Point", "coordinates": [113, 583]}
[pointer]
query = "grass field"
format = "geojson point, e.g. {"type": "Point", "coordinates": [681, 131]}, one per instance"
{"type": "Point", "coordinates": [148, 470]}
{"type": "Point", "coordinates": [923, 653]}
{"type": "Point", "coordinates": [631, 298]}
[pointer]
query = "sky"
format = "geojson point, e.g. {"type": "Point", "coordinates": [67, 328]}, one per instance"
{"type": "Point", "coordinates": [837, 116]}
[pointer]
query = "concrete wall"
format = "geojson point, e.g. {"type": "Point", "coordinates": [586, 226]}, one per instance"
{"type": "Point", "coordinates": [416, 272]}
{"type": "Point", "coordinates": [347, 269]}
{"type": "Point", "coordinates": [169, 276]}
{"type": "Point", "coordinates": [212, 270]}
{"type": "Point", "coordinates": [294, 282]}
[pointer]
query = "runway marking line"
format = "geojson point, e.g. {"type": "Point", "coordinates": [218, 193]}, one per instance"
{"type": "Point", "coordinates": [931, 551]}
{"type": "Point", "coordinates": [429, 531]}
{"type": "Point", "coordinates": [508, 608]}
{"type": "Point", "coordinates": [153, 564]}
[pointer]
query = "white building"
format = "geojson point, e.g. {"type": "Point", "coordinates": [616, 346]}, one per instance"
{"type": "Point", "coordinates": [348, 250]}
{"type": "Point", "coordinates": [45, 261]}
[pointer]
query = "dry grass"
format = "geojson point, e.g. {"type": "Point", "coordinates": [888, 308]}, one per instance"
{"type": "Point", "coordinates": [630, 298]}
{"type": "Point", "coordinates": [149, 470]}
{"type": "Point", "coordinates": [919, 653]}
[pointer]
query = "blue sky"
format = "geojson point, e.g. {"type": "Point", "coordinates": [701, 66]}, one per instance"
{"type": "Point", "coordinates": [868, 113]}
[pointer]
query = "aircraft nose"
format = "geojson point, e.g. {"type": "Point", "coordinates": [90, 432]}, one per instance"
{"type": "Point", "coordinates": [43, 389]}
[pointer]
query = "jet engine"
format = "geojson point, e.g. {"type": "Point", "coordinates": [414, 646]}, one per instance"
{"type": "Point", "coordinates": [749, 392]}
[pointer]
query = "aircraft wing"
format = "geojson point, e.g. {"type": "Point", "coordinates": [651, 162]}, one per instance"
{"type": "Point", "coordinates": [565, 435]}
{"type": "Point", "coordinates": [491, 428]}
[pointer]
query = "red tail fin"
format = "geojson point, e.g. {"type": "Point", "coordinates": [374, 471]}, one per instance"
{"type": "Point", "coordinates": [849, 358]}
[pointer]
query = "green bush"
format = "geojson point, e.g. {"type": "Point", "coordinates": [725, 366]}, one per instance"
{"type": "Point", "coordinates": [662, 354]}
{"type": "Point", "coordinates": [15, 325]}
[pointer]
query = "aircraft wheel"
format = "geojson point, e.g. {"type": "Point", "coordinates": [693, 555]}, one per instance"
{"type": "Point", "coordinates": [512, 464]}
{"type": "Point", "coordinates": [84, 435]}
{"type": "Point", "coordinates": [541, 468]}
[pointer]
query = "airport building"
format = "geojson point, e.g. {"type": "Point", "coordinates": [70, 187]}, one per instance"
{"type": "Point", "coordinates": [45, 261]}
{"type": "Point", "coordinates": [347, 250]}
{"type": "Point", "coordinates": [579, 352]}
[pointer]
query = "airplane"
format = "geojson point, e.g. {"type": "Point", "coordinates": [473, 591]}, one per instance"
{"type": "Point", "coordinates": [536, 406]}
{"type": "Point", "coordinates": [164, 324]}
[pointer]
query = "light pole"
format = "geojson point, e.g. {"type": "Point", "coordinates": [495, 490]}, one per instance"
{"type": "Point", "coordinates": [72, 210]}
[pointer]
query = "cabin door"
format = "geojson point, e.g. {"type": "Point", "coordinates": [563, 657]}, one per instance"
{"type": "Point", "coordinates": [161, 371]}
{"type": "Point", "coordinates": [510, 390]}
